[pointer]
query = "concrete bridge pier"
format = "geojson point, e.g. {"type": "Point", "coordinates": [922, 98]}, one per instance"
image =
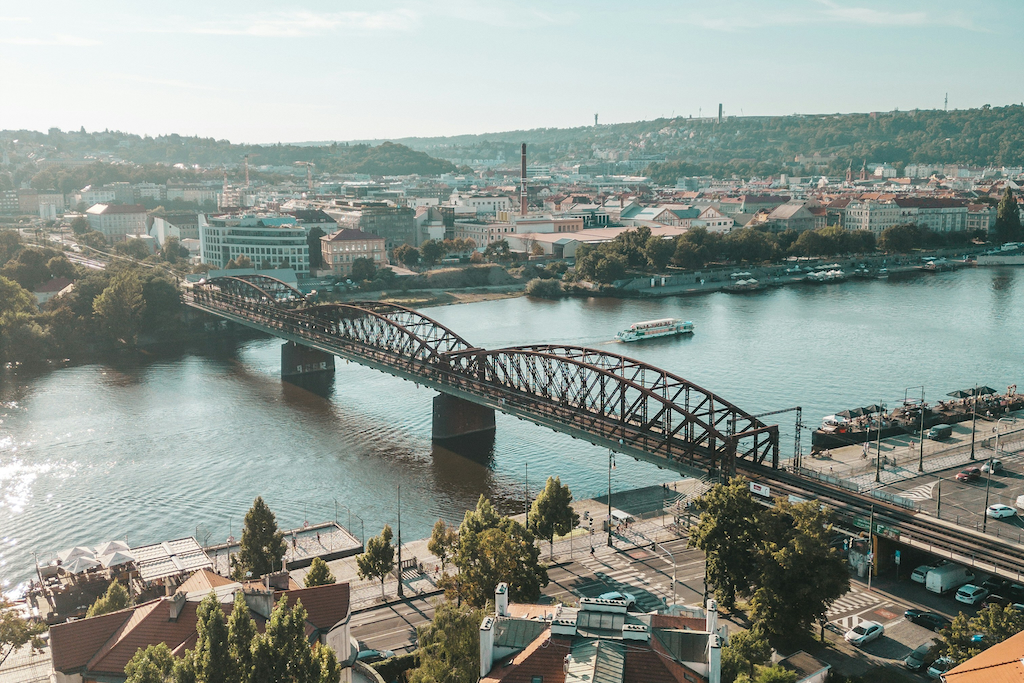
{"type": "Point", "coordinates": [301, 361]}
{"type": "Point", "coordinates": [455, 417]}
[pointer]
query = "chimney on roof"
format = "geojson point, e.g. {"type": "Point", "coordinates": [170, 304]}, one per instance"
{"type": "Point", "coordinates": [523, 199]}
{"type": "Point", "coordinates": [711, 616]}
{"type": "Point", "coordinates": [486, 645]}
{"type": "Point", "coordinates": [177, 603]}
{"type": "Point", "coordinates": [714, 659]}
{"type": "Point", "coordinates": [260, 601]}
{"type": "Point", "coordinates": [501, 600]}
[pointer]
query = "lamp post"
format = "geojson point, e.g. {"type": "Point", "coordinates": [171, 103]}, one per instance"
{"type": "Point", "coordinates": [974, 417]}
{"type": "Point", "coordinates": [988, 480]}
{"type": "Point", "coordinates": [673, 558]}
{"type": "Point", "coordinates": [611, 464]}
{"type": "Point", "coordinates": [401, 593]}
{"type": "Point", "coordinates": [906, 393]}
{"type": "Point", "coordinates": [878, 444]}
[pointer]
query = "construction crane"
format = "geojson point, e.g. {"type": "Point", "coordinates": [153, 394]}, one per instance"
{"type": "Point", "coordinates": [309, 172]}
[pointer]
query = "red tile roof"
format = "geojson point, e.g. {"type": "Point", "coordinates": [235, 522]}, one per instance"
{"type": "Point", "coordinates": [1002, 663]}
{"type": "Point", "coordinates": [54, 285]}
{"type": "Point", "coordinates": [73, 644]}
{"type": "Point", "coordinates": [544, 657]}
{"type": "Point", "coordinates": [326, 606]}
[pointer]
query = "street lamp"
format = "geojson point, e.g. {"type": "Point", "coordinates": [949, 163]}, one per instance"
{"type": "Point", "coordinates": [878, 445]}
{"type": "Point", "coordinates": [611, 466]}
{"type": "Point", "coordinates": [988, 480]}
{"type": "Point", "coordinates": [920, 460]}
{"type": "Point", "coordinates": [974, 417]}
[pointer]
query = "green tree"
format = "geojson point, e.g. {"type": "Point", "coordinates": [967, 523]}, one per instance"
{"type": "Point", "coordinates": [119, 308]}
{"type": "Point", "coordinates": [659, 251]}
{"type": "Point", "coordinates": [242, 261]}
{"type": "Point", "coordinates": [94, 239]}
{"type": "Point", "coordinates": [241, 633]}
{"type": "Point", "coordinates": [899, 239]}
{"type": "Point", "coordinates": [60, 266]}
{"type": "Point", "coordinates": [154, 664]}
{"type": "Point", "coordinates": [262, 547]}
{"type": "Point", "coordinates": [407, 255]}
{"type": "Point", "coordinates": [14, 298]}
{"type": "Point", "coordinates": [210, 659]}
{"type": "Point", "coordinates": [379, 559]}
{"type": "Point", "coordinates": [800, 574]}
{"type": "Point", "coordinates": [163, 307]}
{"type": "Point", "coordinates": [771, 674]}
{"type": "Point", "coordinates": [449, 646]}
{"type": "Point", "coordinates": [16, 631]}
{"type": "Point", "coordinates": [994, 623]}
{"type": "Point", "coordinates": [432, 251]}
{"type": "Point", "coordinates": [28, 268]}
{"type": "Point", "coordinates": [1008, 227]}
{"type": "Point", "coordinates": [729, 533]}
{"type": "Point", "coordinates": [746, 649]}
{"type": "Point", "coordinates": [552, 514]}
{"type": "Point", "coordinates": [610, 268]}
{"type": "Point", "coordinates": [133, 248]}
{"type": "Point", "coordinates": [363, 269]}
{"type": "Point", "coordinates": [319, 574]}
{"type": "Point", "coordinates": [492, 550]}
{"type": "Point", "coordinates": [544, 288]}
{"type": "Point", "coordinates": [316, 258]}
{"type": "Point", "coordinates": [171, 251]}
{"type": "Point", "coordinates": [80, 225]}
{"type": "Point", "coordinates": [114, 599]}
{"type": "Point", "coordinates": [498, 251]}
{"type": "Point", "coordinates": [10, 244]}
{"type": "Point", "coordinates": [443, 543]}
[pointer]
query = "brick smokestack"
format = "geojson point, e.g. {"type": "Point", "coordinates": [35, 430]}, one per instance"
{"type": "Point", "coordinates": [522, 185]}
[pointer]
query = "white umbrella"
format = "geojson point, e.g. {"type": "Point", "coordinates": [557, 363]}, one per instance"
{"type": "Point", "coordinates": [80, 564]}
{"type": "Point", "coordinates": [117, 557]}
{"type": "Point", "coordinates": [72, 553]}
{"type": "Point", "coordinates": [110, 547]}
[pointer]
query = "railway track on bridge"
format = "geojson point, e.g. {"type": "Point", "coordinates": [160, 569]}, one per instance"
{"type": "Point", "coordinates": [910, 528]}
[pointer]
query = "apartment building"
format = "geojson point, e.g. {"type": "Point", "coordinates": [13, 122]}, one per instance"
{"type": "Point", "coordinates": [872, 215]}
{"type": "Point", "coordinates": [263, 240]}
{"type": "Point", "coordinates": [116, 221]}
{"type": "Point", "coordinates": [342, 248]}
{"type": "Point", "coordinates": [941, 214]}
{"type": "Point", "coordinates": [384, 219]}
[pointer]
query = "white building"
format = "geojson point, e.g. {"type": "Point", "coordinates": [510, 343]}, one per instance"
{"type": "Point", "coordinates": [116, 221]}
{"type": "Point", "coordinates": [483, 203]}
{"type": "Point", "coordinates": [262, 240]}
{"type": "Point", "coordinates": [872, 215]}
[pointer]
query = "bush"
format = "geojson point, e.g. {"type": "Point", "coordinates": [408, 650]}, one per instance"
{"type": "Point", "coordinates": [544, 289]}
{"type": "Point", "coordinates": [390, 669]}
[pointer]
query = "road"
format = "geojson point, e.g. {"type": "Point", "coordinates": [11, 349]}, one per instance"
{"type": "Point", "coordinates": [644, 574]}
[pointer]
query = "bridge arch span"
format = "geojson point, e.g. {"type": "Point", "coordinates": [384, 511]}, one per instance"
{"type": "Point", "coordinates": [255, 288]}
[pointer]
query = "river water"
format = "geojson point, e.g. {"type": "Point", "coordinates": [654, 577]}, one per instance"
{"type": "Point", "coordinates": [164, 447]}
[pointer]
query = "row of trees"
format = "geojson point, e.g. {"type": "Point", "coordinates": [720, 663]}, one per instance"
{"type": "Point", "coordinates": [432, 251]}
{"type": "Point", "coordinates": [778, 558]}
{"type": "Point", "coordinates": [230, 650]}
{"type": "Point", "coordinates": [638, 251]}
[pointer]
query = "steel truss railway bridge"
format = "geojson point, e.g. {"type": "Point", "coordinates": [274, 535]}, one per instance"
{"type": "Point", "coordinates": [610, 400]}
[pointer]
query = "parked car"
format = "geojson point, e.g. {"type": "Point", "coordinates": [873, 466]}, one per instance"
{"type": "Point", "coordinates": [995, 599]}
{"type": "Point", "coordinates": [931, 620]}
{"type": "Point", "coordinates": [992, 466]}
{"type": "Point", "coordinates": [994, 584]}
{"type": "Point", "coordinates": [939, 667]}
{"type": "Point", "coordinates": [864, 633]}
{"type": "Point", "coordinates": [921, 657]}
{"type": "Point", "coordinates": [1020, 502]}
{"type": "Point", "coordinates": [617, 595]}
{"type": "Point", "coordinates": [998, 511]}
{"type": "Point", "coordinates": [921, 573]}
{"type": "Point", "coordinates": [970, 474]}
{"type": "Point", "coordinates": [971, 594]}
{"type": "Point", "coordinates": [371, 656]}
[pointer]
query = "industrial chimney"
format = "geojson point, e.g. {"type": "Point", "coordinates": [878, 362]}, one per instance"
{"type": "Point", "coordinates": [522, 186]}
{"type": "Point", "coordinates": [719, 112]}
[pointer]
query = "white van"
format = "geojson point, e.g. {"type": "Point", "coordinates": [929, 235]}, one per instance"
{"type": "Point", "coordinates": [947, 577]}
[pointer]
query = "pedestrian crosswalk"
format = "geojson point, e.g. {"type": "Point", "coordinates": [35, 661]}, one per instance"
{"type": "Point", "coordinates": [851, 602]}
{"type": "Point", "coordinates": [922, 492]}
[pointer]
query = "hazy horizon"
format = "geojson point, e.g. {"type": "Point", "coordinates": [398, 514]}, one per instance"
{"type": "Point", "coordinates": [314, 71]}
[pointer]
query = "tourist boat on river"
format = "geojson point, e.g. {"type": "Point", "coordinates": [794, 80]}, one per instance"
{"type": "Point", "coordinates": [649, 329]}
{"type": "Point", "coordinates": [858, 425]}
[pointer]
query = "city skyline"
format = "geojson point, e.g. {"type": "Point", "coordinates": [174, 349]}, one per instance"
{"type": "Point", "coordinates": [314, 72]}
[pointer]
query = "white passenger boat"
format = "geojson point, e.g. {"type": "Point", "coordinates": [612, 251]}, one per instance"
{"type": "Point", "coordinates": [655, 328]}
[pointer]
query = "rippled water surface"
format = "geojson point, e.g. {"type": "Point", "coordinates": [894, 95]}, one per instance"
{"type": "Point", "coordinates": [166, 447]}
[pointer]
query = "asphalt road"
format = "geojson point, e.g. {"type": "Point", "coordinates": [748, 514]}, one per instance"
{"type": "Point", "coordinates": [964, 502]}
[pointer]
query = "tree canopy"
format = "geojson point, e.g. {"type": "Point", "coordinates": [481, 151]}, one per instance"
{"type": "Point", "coordinates": [114, 599]}
{"type": "Point", "coordinates": [1008, 226]}
{"type": "Point", "coordinates": [262, 547]}
{"type": "Point", "coordinates": [449, 646]}
{"type": "Point", "coordinates": [551, 513]}
{"type": "Point", "coordinates": [319, 574]}
{"type": "Point", "coordinates": [16, 631]}
{"type": "Point", "coordinates": [379, 559]}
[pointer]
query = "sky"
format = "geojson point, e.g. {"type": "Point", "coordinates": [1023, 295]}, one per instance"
{"type": "Point", "coordinates": [264, 71]}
